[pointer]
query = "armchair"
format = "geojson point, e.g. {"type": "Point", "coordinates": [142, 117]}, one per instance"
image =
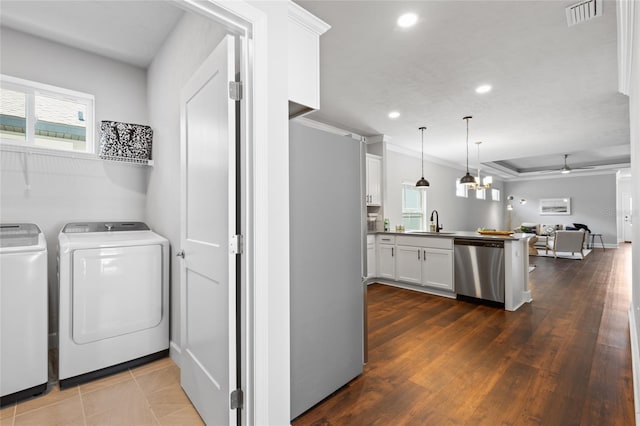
{"type": "Point", "coordinates": [569, 241]}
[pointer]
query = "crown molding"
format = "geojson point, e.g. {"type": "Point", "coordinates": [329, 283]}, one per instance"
{"type": "Point", "coordinates": [306, 19]}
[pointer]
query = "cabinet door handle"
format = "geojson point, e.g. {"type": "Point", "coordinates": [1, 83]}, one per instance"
{"type": "Point", "coordinates": [391, 251]}
{"type": "Point", "coordinates": [425, 255]}
{"type": "Point", "coordinates": [418, 254]}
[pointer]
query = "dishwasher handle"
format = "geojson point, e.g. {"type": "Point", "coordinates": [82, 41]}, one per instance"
{"type": "Point", "coordinates": [478, 243]}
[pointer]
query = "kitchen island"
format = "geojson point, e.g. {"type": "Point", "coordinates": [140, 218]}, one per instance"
{"type": "Point", "coordinates": [424, 261]}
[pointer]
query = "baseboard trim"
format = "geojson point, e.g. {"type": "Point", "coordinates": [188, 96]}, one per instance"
{"type": "Point", "coordinates": [175, 352]}
{"type": "Point", "coordinates": [635, 362]}
{"type": "Point", "coordinates": [420, 289]}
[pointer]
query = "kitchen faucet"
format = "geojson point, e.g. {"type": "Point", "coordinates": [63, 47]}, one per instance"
{"type": "Point", "coordinates": [438, 226]}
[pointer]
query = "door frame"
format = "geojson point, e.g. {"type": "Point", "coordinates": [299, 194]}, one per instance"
{"type": "Point", "coordinates": [251, 24]}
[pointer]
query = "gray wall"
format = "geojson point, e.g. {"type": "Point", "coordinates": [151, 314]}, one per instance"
{"type": "Point", "coordinates": [64, 189]}
{"type": "Point", "coordinates": [593, 202]}
{"type": "Point", "coordinates": [190, 43]}
{"type": "Point", "coordinates": [455, 213]}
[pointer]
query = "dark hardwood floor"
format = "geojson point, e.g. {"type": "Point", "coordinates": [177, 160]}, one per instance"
{"type": "Point", "coordinates": [564, 359]}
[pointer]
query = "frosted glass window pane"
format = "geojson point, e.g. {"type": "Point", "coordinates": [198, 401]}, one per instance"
{"type": "Point", "coordinates": [60, 123]}
{"type": "Point", "coordinates": [12, 115]}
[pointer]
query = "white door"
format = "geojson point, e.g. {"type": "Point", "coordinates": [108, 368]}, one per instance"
{"type": "Point", "coordinates": [409, 264]}
{"type": "Point", "coordinates": [371, 260]}
{"type": "Point", "coordinates": [208, 314]}
{"type": "Point", "coordinates": [627, 224]}
{"type": "Point", "coordinates": [437, 268]}
{"type": "Point", "coordinates": [374, 175]}
{"type": "Point", "coordinates": [386, 261]}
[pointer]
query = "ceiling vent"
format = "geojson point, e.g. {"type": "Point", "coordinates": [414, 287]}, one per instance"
{"type": "Point", "coordinates": [583, 11]}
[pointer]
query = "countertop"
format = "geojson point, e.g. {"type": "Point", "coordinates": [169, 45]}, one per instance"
{"type": "Point", "coordinates": [457, 234]}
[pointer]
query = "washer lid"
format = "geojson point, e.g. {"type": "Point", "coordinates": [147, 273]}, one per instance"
{"type": "Point", "coordinates": [81, 227]}
{"type": "Point", "coordinates": [19, 234]}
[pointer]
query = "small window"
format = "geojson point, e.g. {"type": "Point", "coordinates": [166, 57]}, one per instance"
{"type": "Point", "coordinates": [35, 114]}
{"type": "Point", "coordinates": [461, 190]}
{"type": "Point", "coordinates": [414, 207]}
{"type": "Point", "coordinates": [481, 194]}
{"type": "Point", "coordinates": [495, 194]}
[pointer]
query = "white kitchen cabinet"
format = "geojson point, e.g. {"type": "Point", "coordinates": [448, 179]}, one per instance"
{"type": "Point", "coordinates": [371, 256]}
{"type": "Point", "coordinates": [374, 180]}
{"type": "Point", "coordinates": [386, 256]}
{"type": "Point", "coordinates": [437, 268]}
{"type": "Point", "coordinates": [409, 264]}
{"type": "Point", "coordinates": [304, 60]}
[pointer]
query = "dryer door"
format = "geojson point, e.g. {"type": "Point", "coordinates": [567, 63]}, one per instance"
{"type": "Point", "coordinates": [116, 291]}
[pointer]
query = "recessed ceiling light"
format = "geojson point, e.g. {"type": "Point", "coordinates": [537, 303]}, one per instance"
{"type": "Point", "coordinates": [483, 89]}
{"type": "Point", "coordinates": [407, 20]}
{"type": "Point", "coordinates": [394, 114]}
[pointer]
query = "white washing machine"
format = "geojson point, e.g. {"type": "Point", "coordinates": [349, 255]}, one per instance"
{"type": "Point", "coordinates": [23, 312]}
{"type": "Point", "coordinates": [114, 298]}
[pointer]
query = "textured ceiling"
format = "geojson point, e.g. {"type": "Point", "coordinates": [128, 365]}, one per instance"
{"type": "Point", "coordinates": [554, 87]}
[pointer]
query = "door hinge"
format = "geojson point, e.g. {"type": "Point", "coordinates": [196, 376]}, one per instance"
{"type": "Point", "coordinates": [235, 90]}
{"type": "Point", "coordinates": [236, 245]}
{"type": "Point", "coordinates": [237, 399]}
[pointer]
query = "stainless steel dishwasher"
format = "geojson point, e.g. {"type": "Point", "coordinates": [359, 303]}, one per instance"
{"type": "Point", "coordinates": [479, 269]}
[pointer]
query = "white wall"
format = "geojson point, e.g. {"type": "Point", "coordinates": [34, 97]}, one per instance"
{"type": "Point", "coordinates": [120, 89]}
{"type": "Point", "coordinates": [64, 189]}
{"type": "Point", "coordinates": [190, 43]}
{"type": "Point", "coordinates": [271, 184]}
{"type": "Point", "coordinates": [593, 202]}
{"type": "Point", "coordinates": [455, 213]}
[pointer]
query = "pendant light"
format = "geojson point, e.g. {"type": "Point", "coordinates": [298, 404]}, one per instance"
{"type": "Point", "coordinates": [422, 183]}
{"type": "Point", "coordinates": [467, 179]}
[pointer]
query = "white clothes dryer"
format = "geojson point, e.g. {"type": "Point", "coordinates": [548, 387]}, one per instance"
{"type": "Point", "coordinates": [114, 298]}
{"type": "Point", "coordinates": [23, 312]}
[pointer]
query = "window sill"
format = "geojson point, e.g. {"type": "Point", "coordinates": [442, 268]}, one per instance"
{"type": "Point", "coordinates": [10, 147]}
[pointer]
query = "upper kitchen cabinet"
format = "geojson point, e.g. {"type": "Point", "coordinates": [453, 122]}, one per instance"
{"type": "Point", "coordinates": [304, 60]}
{"type": "Point", "coordinates": [374, 180]}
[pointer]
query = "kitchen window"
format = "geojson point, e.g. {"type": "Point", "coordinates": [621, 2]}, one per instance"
{"type": "Point", "coordinates": [495, 194]}
{"type": "Point", "coordinates": [414, 208]}
{"type": "Point", "coordinates": [42, 116]}
{"type": "Point", "coordinates": [481, 194]}
{"type": "Point", "coordinates": [461, 190]}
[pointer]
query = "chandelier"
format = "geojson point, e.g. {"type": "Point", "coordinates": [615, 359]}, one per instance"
{"type": "Point", "coordinates": [488, 180]}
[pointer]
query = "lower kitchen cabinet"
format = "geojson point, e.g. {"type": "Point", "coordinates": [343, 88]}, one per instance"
{"type": "Point", "coordinates": [371, 256]}
{"type": "Point", "coordinates": [386, 261]}
{"type": "Point", "coordinates": [423, 261]}
{"type": "Point", "coordinates": [409, 264]}
{"type": "Point", "coordinates": [437, 268]}
{"type": "Point", "coordinates": [386, 256]}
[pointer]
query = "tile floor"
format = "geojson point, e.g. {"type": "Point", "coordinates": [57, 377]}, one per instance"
{"type": "Point", "coordinates": [145, 395]}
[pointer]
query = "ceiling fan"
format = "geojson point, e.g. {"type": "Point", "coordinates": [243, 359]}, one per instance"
{"type": "Point", "coordinates": [567, 169]}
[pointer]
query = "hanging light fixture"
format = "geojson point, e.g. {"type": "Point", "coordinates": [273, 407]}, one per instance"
{"type": "Point", "coordinates": [487, 180]}
{"type": "Point", "coordinates": [422, 183]}
{"type": "Point", "coordinates": [467, 179]}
